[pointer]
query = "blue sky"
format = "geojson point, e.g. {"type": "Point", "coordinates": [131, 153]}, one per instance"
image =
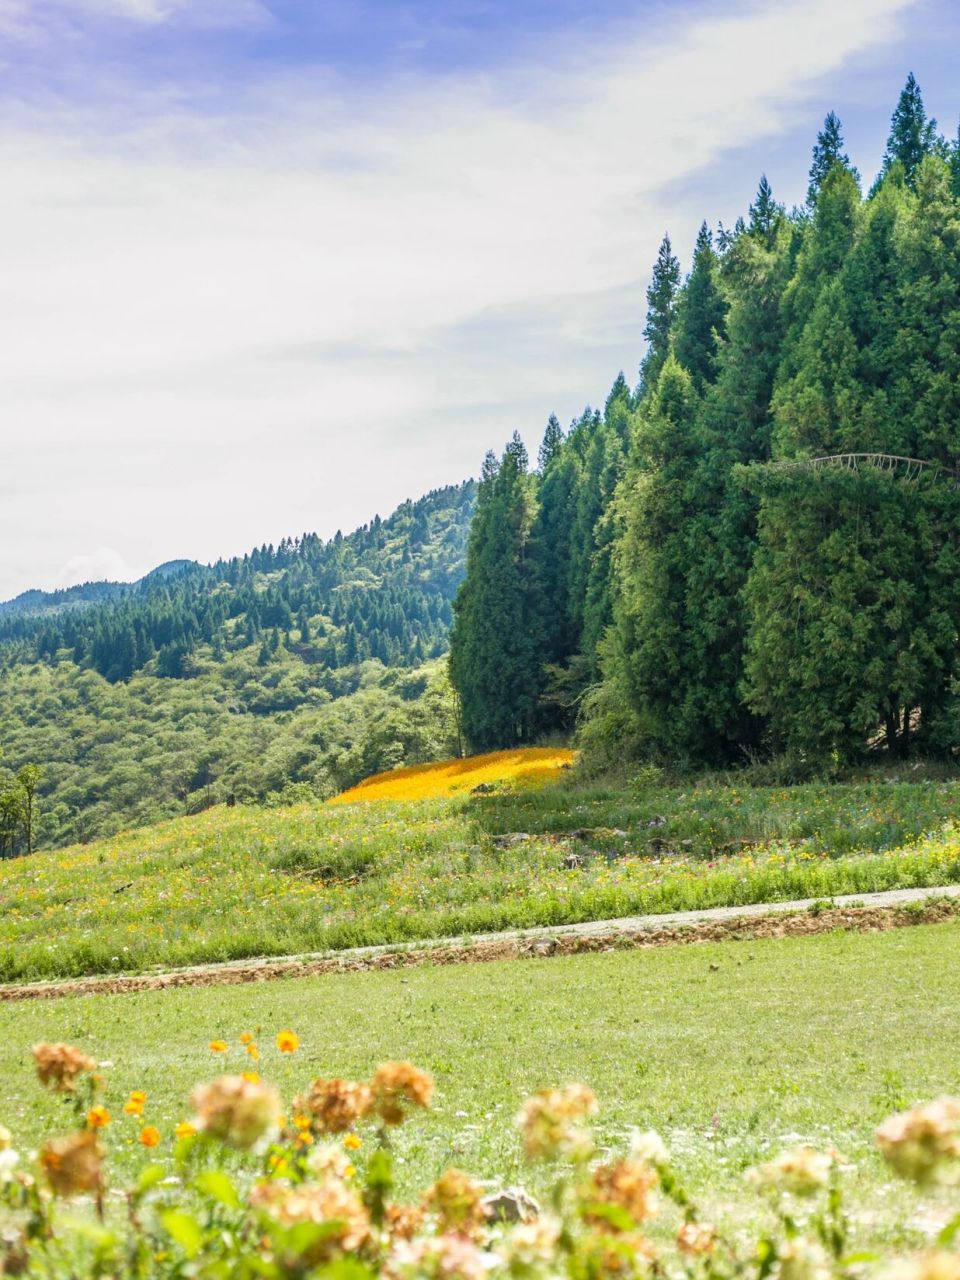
{"type": "Point", "coordinates": [269, 265]}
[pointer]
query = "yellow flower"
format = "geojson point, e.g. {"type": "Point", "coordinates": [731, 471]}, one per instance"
{"type": "Point", "coordinates": [251, 1077]}
{"type": "Point", "coordinates": [98, 1117]}
{"type": "Point", "coordinates": [150, 1136]}
{"type": "Point", "coordinates": [288, 1041]}
{"type": "Point", "coordinates": [218, 1046]}
{"type": "Point", "coordinates": [246, 1037]}
{"type": "Point", "coordinates": [253, 1051]}
{"type": "Point", "coordinates": [185, 1129]}
{"type": "Point", "coordinates": [352, 1142]}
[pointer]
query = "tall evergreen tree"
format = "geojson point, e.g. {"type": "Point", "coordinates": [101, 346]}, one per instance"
{"type": "Point", "coordinates": [494, 647]}
{"type": "Point", "coordinates": [661, 310]}
{"type": "Point", "coordinates": [550, 445]}
{"type": "Point", "coordinates": [912, 135]}
{"type": "Point", "coordinates": [701, 314]}
{"type": "Point", "coordinates": [827, 152]}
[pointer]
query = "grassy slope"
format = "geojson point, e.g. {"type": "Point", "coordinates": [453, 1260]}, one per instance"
{"type": "Point", "coordinates": [233, 883]}
{"type": "Point", "coordinates": [818, 1037]}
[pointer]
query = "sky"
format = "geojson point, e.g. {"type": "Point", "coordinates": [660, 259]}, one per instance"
{"type": "Point", "coordinates": [273, 266]}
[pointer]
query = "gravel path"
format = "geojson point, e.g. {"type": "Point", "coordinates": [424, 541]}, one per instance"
{"type": "Point", "coordinates": [871, 912]}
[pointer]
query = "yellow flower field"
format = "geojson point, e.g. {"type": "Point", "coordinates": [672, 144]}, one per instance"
{"type": "Point", "coordinates": [526, 765]}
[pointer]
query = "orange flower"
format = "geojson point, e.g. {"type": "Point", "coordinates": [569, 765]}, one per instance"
{"type": "Point", "coordinates": [150, 1136]}
{"type": "Point", "coordinates": [253, 1051]}
{"type": "Point", "coordinates": [288, 1041]}
{"type": "Point", "coordinates": [135, 1103]}
{"type": "Point", "coordinates": [185, 1130]}
{"type": "Point", "coordinates": [218, 1046]}
{"type": "Point", "coordinates": [98, 1117]}
{"type": "Point", "coordinates": [246, 1037]}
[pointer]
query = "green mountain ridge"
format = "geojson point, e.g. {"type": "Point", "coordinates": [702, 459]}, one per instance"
{"type": "Point", "coordinates": [294, 670]}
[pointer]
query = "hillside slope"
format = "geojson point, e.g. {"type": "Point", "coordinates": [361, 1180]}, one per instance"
{"type": "Point", "coordinates": [307, 666]}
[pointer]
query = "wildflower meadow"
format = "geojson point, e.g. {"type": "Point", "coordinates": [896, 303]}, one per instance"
{"type": "Point", "coordinates": [234, 883]}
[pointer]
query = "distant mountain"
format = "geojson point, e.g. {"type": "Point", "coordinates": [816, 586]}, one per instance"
{"type": "Point", "coordinates": [31, 603]}
{"type": "Point", "coordinates": [294, 670]}
{"type": "Point", "coordinates": [35, 602]}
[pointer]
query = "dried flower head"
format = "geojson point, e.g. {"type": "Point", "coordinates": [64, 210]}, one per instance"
{"type": "Point", "coordinates": [328, 1203]}
{"type": "Point", "coordinates": [803, 1259]}
{"type": "Point", "coordinates": [924, 1144]}
{"type": "Point", "coordinates": [457, 1202]}
{"type": "Point", "coordinates": [73, 1164]}
{"type": "Point", "coordinates": [802, 1171]}
{"type": "Point", "coordinates": [937, 1265]}
{"type": "Point", "coordinates": [14, 1254]}
{"type": "Point", "coordinates": [448, 1257]}
{"type": "Point", "coordinates": [398, 1085]}
{"type": "Point", "coordinates": [403, 1221]}
{"type": "Point", "coordinates": [649, 1147]}
{"type": "Point", "coordinates": [628, 1184]}
{"type": "Point", "coordinates": [336, 1105]}
{"type": "Point", "coordinates": [547, 1123]}
{"type": "Point", "coordinates": [9, 1159]}
{"type": "Point", "coordinates": [59, 1065]}
{"type": "Point", "coordinates": [534, 1242]}
{"type": "Point", "coordinates": [237, 1111]}
{"type": "Point", "coordinates": [696, 1238]}
{"type": "Point", "coordinates": [327, 1160]}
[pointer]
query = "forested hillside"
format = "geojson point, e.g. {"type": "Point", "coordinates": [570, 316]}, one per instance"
{"type": "Point", "coordinates": [308, 665]}
{"type": "Point", "coordinates": [757, 551]}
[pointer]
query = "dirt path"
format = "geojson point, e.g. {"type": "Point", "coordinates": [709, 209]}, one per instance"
{"type": "Point", "coordinates": [867, 913]}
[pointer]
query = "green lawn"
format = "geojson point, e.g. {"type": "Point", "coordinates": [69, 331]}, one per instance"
{"type": "Point", "coordinates": [815, 1038]}
{"type": "Point", "coordinates": [234, 883]}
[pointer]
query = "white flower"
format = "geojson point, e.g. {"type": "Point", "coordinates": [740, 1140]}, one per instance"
{"type": "Point", "coordinates": [9, 1159]}
{"type": "Point", "coordinates": [649, 1147]}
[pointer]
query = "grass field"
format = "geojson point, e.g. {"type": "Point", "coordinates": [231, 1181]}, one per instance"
{"type": "Point", "coordinates": [815, 1039]}
{"type": "Point", "coordinates": [234, 883]}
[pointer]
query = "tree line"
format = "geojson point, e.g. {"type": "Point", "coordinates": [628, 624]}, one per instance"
{"type": "Point", "coordinates": [384, 592]}
{"type": "Point", "coordinates": [756, 550]}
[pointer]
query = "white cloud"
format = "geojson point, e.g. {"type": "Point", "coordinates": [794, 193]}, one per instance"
{"type": "Point", "coordinates": [106, 564]}
{"type": "Point", "coordinates": [217, 332]}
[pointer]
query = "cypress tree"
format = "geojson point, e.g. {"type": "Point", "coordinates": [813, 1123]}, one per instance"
{"type": "Point", "coordinates": [912, 135]}
{"type": "Point", "coordinates": [494, 647]}
{"type": "Point", "coordinates": [701, 314]}
{"type": "Point", "coordinates": [661, 310]}
{"type": "Point", "coordinates": [827, 152]}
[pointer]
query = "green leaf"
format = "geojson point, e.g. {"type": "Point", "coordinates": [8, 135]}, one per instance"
{"type": "Point", "coordinates": [380, 1171]}
{"type": "Point", "coordinates": [184, 1229]}
{"type": "Point", "coordinates": [91, 1231]}
{"type": "Point", "coordinates": [618, 1217]}
{"type": "Point", "coordinates": [949, 1231]}
{"type": "Point", "coordinates": [215, 1184]}
{"type": "Point", "coordinates": [149, 1177]}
